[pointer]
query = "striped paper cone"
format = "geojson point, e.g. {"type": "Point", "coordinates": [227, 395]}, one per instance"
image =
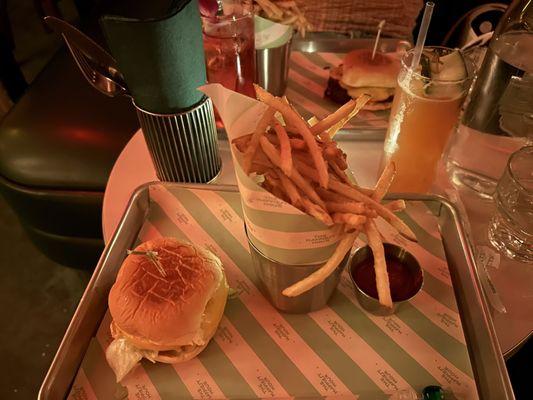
{"type": "Point", "coordinates": [276, 228]}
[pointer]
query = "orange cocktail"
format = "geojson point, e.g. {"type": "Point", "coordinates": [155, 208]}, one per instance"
{"type": "Point", "coordinates": [425, 110]}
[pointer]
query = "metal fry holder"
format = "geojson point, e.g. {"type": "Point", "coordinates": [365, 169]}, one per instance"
{"type": "Point", "coordinates": [183, 146]}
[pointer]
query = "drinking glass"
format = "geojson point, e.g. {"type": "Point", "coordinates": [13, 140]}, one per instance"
{"type": "Point", "coordinates": [230, 50]}
{"type": "Point", "coordinates": [511, 228]}
{"type": "Point", "coordinates": [424, 113]}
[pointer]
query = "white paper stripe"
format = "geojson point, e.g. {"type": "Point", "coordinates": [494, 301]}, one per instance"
{"type": "Point", "coordinates": [197, 380]}
{"type": "Point", "coordinates": [446, 319]}
{"type": "Point", "coordinates": [224, 213]}
{"type": "Point", "coordinates": [293, 240]}
{"type": "Point", "coordinates": [242, 356]}
{"type": "Point", "coordinates": [372, 364]}
{"type": "Point", "coordinates": [301, 60]}
{"type": "Point", "coordinates": [298, 351]}
{"type": "Point", "coordinates": [333, 59]}
{"type": "Point", "coordinates": [139, 385]}
{"type": "Point", "coordinates": [441, 369]}
{"type": "Point", "coordinates": [307, 83]}
{"type": "Point", "coordinates": [419, 212]}
{"type": "Point", "coordinates": [81, 388]}
{"type": "Point", "coordinates": [259, 200]}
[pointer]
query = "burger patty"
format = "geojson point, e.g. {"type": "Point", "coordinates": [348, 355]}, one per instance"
{"type": "Point", "coordinates": [336, 92]}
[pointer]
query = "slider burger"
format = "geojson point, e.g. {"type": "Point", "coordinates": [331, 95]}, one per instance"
{"type": "Point", "coordinates": [166, 304]}
{"type": "Point", "coordinates": [359, 74]}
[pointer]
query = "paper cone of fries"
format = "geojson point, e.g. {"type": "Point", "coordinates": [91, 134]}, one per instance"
{"type": "Point", "coordinates": [279, 230]}
{"type": "Point", "coordinates": [310, 211]}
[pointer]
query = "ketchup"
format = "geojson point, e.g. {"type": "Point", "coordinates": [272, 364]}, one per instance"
{"type": "Point", "coordinates": [403, 282]}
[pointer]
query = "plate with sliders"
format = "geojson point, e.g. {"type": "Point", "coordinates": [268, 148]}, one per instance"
{"type": "Point", "coordinates": [318, 85]}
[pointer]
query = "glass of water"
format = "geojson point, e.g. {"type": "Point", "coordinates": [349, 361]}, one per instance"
{"type": "Point", "coordinates": [511, 228]}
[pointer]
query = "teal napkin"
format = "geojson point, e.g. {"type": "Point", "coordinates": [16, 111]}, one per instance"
{"type": "Point", "coordinates": [159, 50]}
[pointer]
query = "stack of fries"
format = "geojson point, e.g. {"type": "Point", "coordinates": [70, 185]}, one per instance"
{"type": "Point", "coordinates": [300, 163]}
{"type": "Point", "coordinates": [285, 12]}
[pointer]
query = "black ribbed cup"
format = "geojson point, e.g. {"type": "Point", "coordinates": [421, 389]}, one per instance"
{"type": "Point", "coordinates": [183, 146]}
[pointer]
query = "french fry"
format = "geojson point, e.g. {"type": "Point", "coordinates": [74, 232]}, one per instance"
{"type": "Point", "coordinates": [300, 164]}
{"type": "Point", "coordinates": [285, 149]}
{"type": "Point", "coordinates": [384, 181]}
{"type": "Point", "coordinates": [297, 144]}
{"type": "Point", "coordinates": [310, 173]}
{"type": "Point", "coordinates": [370, 212]}
{"type": "Point", "coordinates": [328, 195]}
{"type": "Point", "coordinates": [259, 168]}
{"type": "Point", "coordinates": [382, 211]}
{"type": "Point", "coordinates": [332, 151]}
{"type": "Point", "coordinates": [333, 118]}
{"type": "Point", "coordinates": [360, 103]}
{"type": "Point", "coordinates": [278, 192]}
{"type": "Point", "coordinates": [312, 121]}
{"type": "Point", "coordinates": [396, 205]}
{"type": "Point", "coordinates": [298, 180]}
{"type": "Point", "coordinates": [290, 189]}
{"type": "Point", "coordinates": [348, 219]}
{"type": "Point", "coordinates": [316, 211]}
{"type": "Point", "coordinates": [303, 157]}
{"type": "Point", "coordinates": [351, 207]}
{"type": "Point", "coordinates": [259, 131]}
{"type": "Point", "coordinates": [342, 113]}
{"type": "Point", "coordinates": [339, 172]}
{"type": "Point", "coordinates": [242, 142]}
{"type": "Point", "coordinates": [317, 277]}
{"type": "Point", "coordinates": [380, 265]}
{"type": "Point", "coordinates": [292, 118]}
{"type": "Point", "coordinates": [272, 179]}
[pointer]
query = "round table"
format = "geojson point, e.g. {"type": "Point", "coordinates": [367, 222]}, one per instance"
{"type": "Point", "coordinates": [515, 284]}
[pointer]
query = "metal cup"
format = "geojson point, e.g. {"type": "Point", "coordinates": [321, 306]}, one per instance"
{"type": "Point", "coordinates": [274, 277]}
{"type": "Point", "coordinates": [272, 68]}
{"type": "Point", "coordinates": [371, 304]}
{"type": "Point", "coordinates": [183, 146]}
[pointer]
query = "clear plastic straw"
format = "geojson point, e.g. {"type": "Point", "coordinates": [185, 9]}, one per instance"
{"type": "Point", "coordinates": [422, 33]}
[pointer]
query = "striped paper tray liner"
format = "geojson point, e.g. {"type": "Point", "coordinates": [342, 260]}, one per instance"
{"type": "Point", "coordinates": [308, 77]}
{"type": "Point", "coordinates": [340, 351]}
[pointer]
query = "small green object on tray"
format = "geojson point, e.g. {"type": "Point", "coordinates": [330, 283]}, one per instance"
{"type": "Point", "coordinates": [433, 393]}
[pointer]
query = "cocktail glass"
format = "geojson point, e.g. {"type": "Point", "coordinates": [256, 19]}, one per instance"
{"type": "Point", "coordinates": [425, 111]}
{"type": "Point", "coordinates": [230, 50]}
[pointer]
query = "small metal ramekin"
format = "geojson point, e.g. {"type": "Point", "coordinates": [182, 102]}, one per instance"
{"type": "Point", "coordinates": [369, 303]}
{"type": "Point", "coordinates": [274, 277]}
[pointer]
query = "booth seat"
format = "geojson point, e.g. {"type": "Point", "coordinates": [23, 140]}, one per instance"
{"type": "Point", "coordinates": [57, 147]}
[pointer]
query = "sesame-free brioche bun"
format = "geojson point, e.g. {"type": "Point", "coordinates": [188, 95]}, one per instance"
{"type": "Point", "coordinates": [360, 74]}
{"type": "Point", "coordinates": [359, 70]}
{"type": "Point", "coordinates": [170, 305]}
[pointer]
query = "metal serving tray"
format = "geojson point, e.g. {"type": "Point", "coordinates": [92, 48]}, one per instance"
{"type": "Point", "coordinates": [335, 45]}
{"type": "Point", "coordinates": [485, 356]}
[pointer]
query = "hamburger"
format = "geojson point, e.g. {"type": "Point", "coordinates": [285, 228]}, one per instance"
{"type": "Point", "coordinates": [165, 304]}
{"type": "Point", "coordinates": [359, 74]}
